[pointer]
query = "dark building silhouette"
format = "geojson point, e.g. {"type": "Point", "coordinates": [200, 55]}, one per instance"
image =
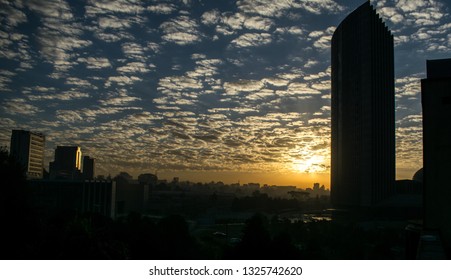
{"type": "Point", "coordinates": [67, 163]}
{"type": "Point", "coordinates": [363, 109]}
{"type": "Point", "coordinates": [28, 149]}
{"type": "Point", "coordinates": [436, 103]}
{"type": "Point", "coordinates": [50, 196]}
{"type": "Point", "coordinates": [88, 168]}
{"type": "Point", "coordinates": [131, 196]}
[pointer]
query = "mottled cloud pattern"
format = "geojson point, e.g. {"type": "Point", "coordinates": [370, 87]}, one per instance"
{"type": "Point", "coordinates": [195, 86]}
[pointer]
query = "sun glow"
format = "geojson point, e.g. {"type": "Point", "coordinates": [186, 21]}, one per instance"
{"type": "Point", "coordinates": [311, 164]}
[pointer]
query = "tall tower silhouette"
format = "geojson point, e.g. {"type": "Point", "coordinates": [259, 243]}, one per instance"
{"type": "Point", "coordinates": [67, 164]}
{"type": "Point", "coordinates": [436, 104]}
{"type": "Point", "coordinates": [363, 109]}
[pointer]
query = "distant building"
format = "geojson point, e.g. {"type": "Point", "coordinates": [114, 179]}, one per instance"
{"type": "Point", "coordinates": [28, 149]}
{"type": "Point", "coordinates": [67, 164]}
{"type": "Point", "coordinates": [88, 168]}
{"type": "Point", "coordinates": [436, 103]}
{"type": "Point", "coordinates": [131, 196]}
{"type": "Point", "coordinates": [52, 196]}
{"type": "Point", "coordinates": [363, 110]}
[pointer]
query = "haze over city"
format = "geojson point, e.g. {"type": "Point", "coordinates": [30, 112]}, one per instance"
{"type": "Point", "coordinates": [201, 90]}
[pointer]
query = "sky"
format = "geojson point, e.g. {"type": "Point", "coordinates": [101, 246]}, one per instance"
{"type": "Point", "coordinates": [203, 90]}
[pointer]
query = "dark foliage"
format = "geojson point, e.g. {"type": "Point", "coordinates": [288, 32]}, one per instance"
{"type": "Point", "coordinates": [262, 202]}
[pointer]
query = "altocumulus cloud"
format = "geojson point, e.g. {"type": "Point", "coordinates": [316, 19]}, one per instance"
{"type": "Point", "coordinates": [239, 86]}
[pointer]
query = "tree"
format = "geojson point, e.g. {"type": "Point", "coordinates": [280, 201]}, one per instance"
{"type": "Point", "coordinates": [15, 214]}
{"type": "Point", "coordinates": [256, 240]}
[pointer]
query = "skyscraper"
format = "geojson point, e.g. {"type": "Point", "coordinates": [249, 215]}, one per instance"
{"type": "Point", "coordinates": [363, 126]}
{"type": "Point", "coordinates": [436, 103]}
{"type": "Point", "coordinates": [28, 149]}
{"type": "Point", "coordinates": [88, 167]}
{"type": "Point", "coordinates": [67, 163]}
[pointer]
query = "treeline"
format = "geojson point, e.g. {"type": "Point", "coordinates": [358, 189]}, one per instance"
{"type": "Point", "coordinates": [92, 236]}
{"type": "Point", "coordinates": [261, 202]}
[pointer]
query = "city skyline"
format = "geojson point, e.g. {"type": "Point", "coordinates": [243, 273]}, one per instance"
{"type": "Point", "coordinates": [215, 91]}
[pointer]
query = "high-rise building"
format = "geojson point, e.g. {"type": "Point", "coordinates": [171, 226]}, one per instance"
{"type": "Point", "coordinates": [88, 167]}
{"type": "Point", "coordinates": [67, 163]}
{"type": "Point", "coordinates": [28, 149]}
{"type": "Point", "coordinates": [363, 108]}
{"type": "Point", "coordinates": [436, 103]}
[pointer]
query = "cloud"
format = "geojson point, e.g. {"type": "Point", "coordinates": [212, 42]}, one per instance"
{"type": "Point", "coordinates": [51, 9]}
{"type": "Point", "coordinates": [68, 116]}
{"type": "Point", "coordinates": [95, 62]}
{"type": "Point", "coordinates": [322, 39]}
{"type": "Point", "coordinates": [134, 67]}
{"type": "Point", "coordinates": [409, 86]}
{"type": "Point", "coordinates": [233, 21]}
{"type": "Point", "coordinates": [52, 95]}
{"type": "Point", "coordinates": [311, 63]}
{"type": "Point", "coordinates": [179, 83]}
{"type": "Point", "coordinates": [111, 36]}
{"type": "Point", "coordinates": [5, 79]}
{"type": "Point", "coordinates": [14, 45]}
{"type": "Point", "coordinates": [264, 7]}
{"type": "Point", "coordinates": [301, 89]}
{"type": "Point", "coordinates": [19, 106]}
{"type": "Point", "coordinates": [260, 95]}
{"type": "Point", "coordinates": [293, 30]}
{"type": "Point", "coordinates": [229, 23]}
{"type": "Point", "coordinates": [211, 17]}
{"type": "Point", "coordinates": [252, 40]}
{"type": "Point", "coordinates": [58, 34]}
{"type": "Point", "coordinates": [404, 14]}
{"type": "Point", "coordinates": [134, 51]}
{"type": "Point", "coordinates": [95, 7]}
{"type": "Point", "coordinates": [234, 88]}
{"type": "Point", "coordinates": [122, 80]}
{"type": "Point", "coordinates": [181, 30]}
{"type": "Point", "coordinates": [90, 114]}
{"type": "Point", "coordinates": [392, 14]}
{"type": "Point", "coordinates": [279, 8]}
{"type": "Point", "coordinates": [278, 82]}
{"type": "Point", "coordinates": [113, 22]}
{"type": "Point", "coordinates": [78, 82]}
{"type": "Point", "coordinates": [58, 49]}
{"type": "Point", "coordinates": [320, 6]}
{"type": "Point", "coordinates": [162, 8]}
{"type": "Point", "coordinates": [12, 14]}
{"type": "Point", "coordinates": [409, 133]}
{"type": "Point", "coordinates": [114, 19]}
{"type": "Point", "coordinates": [118, 99]}
{"type": "Point", "coordinates": [319, 75]}
{"type": "Point", "coordinates": [258, 23]}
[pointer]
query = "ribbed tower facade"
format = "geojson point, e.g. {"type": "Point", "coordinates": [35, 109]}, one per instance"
{"type": "Point", "coordinates": [28, 149]}
{"type": "Point", "coordinates": [363, 109]}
